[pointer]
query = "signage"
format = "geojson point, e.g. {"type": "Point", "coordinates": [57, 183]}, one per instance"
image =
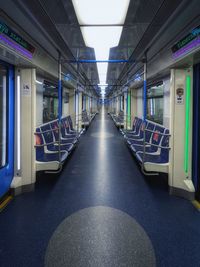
{"type": "Point", "coordinates": [186, 44]}
{"type": "Point", "coordinates": [16, 42]}
{"type": "Point", "coordinates": [15, 37]}
{"type": "Point", "coordinates": [179, 96]}
{"type": "Point", "coordinates": [26, 90]}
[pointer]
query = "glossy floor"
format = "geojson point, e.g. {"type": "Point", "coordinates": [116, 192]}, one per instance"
{"type": "Point", "coordinates": [100, 173]}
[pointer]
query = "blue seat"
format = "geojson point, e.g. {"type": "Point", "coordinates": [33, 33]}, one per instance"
{"type": "Point", "coordinates": [157, 162]}
{"type": "Point", "coordinates": [137, 135]}
{"type": "Point", "coordinates": [119, 120]}
{"type": "Point", "coordinates": [65, 139]}
{"type": "Point", "coordinates": [85, 118]}
{"type": "Point", "coordinates": [47, 161]}
{"type": "Point", "coordinates": [65, 130]}
{"type": "Point", "coordinates": [71, 128]}
{"type": "Point", "coordinates": [51, 143]}
{"type": "Point", "coordinates": [155, 140]}
{"type": "Point", "coordinates": [135, 127]}
{"type": "Point", "coordinates": [148, 134]}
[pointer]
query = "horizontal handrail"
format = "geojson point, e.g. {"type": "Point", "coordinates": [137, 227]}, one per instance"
{"type": "Point", "coordinates": [52, 143]}
{"type": "Point", "coordinates": [62, 144]}
{"type": "Point", "coordinates": [47, 131]}
{"type": "Point", "coordinates": [46, 144]}
{"type": "Point", "coordinates": [51, 130]}
{"type": "Point", "coordinates": [163, 134]}
{"type": "Point", "coordinates": [151, 144]}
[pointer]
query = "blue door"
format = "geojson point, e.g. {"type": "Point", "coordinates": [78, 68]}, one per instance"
{"type": "Point", "coordinates": [6, 127]}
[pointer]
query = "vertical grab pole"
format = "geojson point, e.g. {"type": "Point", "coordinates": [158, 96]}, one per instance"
{"type": "Point", "coordinates": [129, 108]}
{"type": "Point", "coordinates": [77, 116]}
{"type": "Point", "coordinates": [126, 110]}
{"type": "Point", "coordinates": [127, 93]}
{"type": "Point", "coordinates": [145, 88]}
{"type": "Point", "coordinates": [59, 101]}
{"type": "Point", "coordinates": [144, 108]}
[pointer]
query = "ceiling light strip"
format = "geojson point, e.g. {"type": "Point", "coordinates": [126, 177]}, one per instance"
{"type": "Point", "coordinates": [101, 24]}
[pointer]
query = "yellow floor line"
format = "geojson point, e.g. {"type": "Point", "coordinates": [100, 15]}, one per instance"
{"type": "Point", "coordinates": [196, 204]}
{"type": "Point", "coordinates": [5, 202]}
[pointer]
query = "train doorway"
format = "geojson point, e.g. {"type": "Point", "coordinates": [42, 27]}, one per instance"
{"type": "Point", "coordinates": [196, 131]}
{"type": "Point", "coordinates": [6, 127]}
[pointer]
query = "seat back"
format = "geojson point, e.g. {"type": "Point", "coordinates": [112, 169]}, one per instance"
{"type": "Point", "coordinates": [156, 137]}
{"type": "Point", "coordinates": [165, 145]}
{"type": "Point", "coordinates": [150, 126]}
{"type": "Point", "coordinates": [70, 122]}
{"type": "Point", "coordinates": [137, 126]}
{"type": "Point", "coordinates": [55, 129]}
{"type": "Point", "coordinates": [134, 123]}
{"type": "Point", "coordinates": [65, 128]}
{"type": "Point", "coordinates": [62, 129]}
{"type": "Point", "coordinates": [38, 145]}
{"type": "Point", "coordinates": [47, 133]}
{"type": "Point", "coordinates": [141, 129]}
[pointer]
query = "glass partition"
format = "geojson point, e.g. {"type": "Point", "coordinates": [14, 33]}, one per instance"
{"type": "Point", "coordinates": [50, 102]}
{"type": "Point", "coordinates": [155, 103]}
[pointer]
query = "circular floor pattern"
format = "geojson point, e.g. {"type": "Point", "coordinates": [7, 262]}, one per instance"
{"type": "Point", "coordinates": [99, 237]}
{"type": "Point", "coordinates": [102, 135]}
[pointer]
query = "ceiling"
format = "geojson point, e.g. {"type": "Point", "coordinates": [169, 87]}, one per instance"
{"type": "Point", "coordinates": [144, 20]}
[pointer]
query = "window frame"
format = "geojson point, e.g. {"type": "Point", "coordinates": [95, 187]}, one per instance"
{"type": "Point", "coordinates": [156, 84]}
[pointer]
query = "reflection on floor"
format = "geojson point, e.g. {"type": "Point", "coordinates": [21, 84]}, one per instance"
{"type": "Point", "coordinates": [100, 172]}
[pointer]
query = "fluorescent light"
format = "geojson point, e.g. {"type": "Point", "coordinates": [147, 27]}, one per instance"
{"type": "Point", "coordinates": [104, 12]}
{"type": "Point", "coordinates": [101, 38]}
{"type": "Point", "coordinates": [18, 125]}
{"type": "Point", "coordinates": [101, 11]}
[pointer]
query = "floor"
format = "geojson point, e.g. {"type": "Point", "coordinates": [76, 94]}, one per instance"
{"type": "Point", "coordinates": [101, 211]}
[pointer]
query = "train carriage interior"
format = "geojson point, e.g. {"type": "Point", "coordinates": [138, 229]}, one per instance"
{"type": "Point", "coordinates": [99, 133]}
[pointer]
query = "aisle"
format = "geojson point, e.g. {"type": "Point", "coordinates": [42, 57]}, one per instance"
{"type": "Point", "coordinates": [101, 211]}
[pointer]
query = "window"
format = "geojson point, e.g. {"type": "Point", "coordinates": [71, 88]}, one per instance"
{"type": "Point", "coordinates": [122, 102]}
{"type": "Point", "coordinates": [83, 102]}
{"type": "Point", "coordinates": [66, 97]}
{"type": "Point", "coordinates": [155, 103]}
{"type": "Point", "coordinates": [50, 102]}
{"type": "Point", "coordinates": [3, 115]}
{"type": "Point", "coordinates": [129, 121]}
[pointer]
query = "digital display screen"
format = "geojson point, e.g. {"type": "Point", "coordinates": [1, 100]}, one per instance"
{"type": "Point", "coordinates": [187, 39]}
{"type": "Point", "coordinates": [4, 29]}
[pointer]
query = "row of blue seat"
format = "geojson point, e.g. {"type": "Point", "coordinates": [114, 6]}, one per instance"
{"type": "Point", "coordinates": [149, 142]}
{"type": "Point", "coordinates": [87, 118]}
{"type": "Point", "coordinates": [118, 119]}
{"type": "Point", "coordinates": [54, 143]}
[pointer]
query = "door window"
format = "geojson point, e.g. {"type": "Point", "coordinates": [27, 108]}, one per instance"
{"type": "Point", "coordinates": [155, 103]}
